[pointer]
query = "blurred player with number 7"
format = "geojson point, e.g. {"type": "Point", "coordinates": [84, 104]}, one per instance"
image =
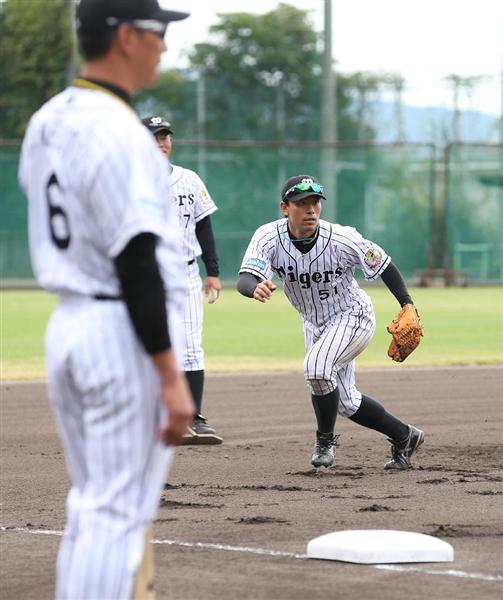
{"type": "Point", "coordinates": [194, 206]}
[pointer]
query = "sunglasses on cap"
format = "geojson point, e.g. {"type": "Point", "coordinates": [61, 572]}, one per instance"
{"type": "Point", "coordinates": [304, 186]}
{"type": "Point", "coordinates": [157, 27]}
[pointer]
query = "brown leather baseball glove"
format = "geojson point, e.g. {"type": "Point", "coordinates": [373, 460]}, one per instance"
{"type": "Point", "coordinates": [407, 331]}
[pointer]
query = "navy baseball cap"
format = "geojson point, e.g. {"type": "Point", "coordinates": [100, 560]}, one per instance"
{"type": "Point", "coordinates": [299, 187]}
{"type": "Point", "coordinates": [155, 124]}
{"type": "Point", "coordinates": [96, 15]}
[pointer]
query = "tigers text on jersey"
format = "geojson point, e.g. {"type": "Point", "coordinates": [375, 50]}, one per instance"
{"type": "Point", "coordinates": [320, 284]}
{"type": "Point", "coordinates": [95, 179]}
{"type": "Point", "coordinates": [193, 203]}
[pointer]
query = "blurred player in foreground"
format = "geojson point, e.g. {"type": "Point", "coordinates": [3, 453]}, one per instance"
{"type": "Point", "coordinates": [194, 206]}
{"type": "Point", "coordinates": [105, 239]}
{"type": "Point", "coordinates": [315, 260]}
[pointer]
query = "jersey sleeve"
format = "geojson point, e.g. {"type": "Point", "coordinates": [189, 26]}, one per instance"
{"type": "Point", "coordinates": [130, 193]}
{"type": "Point", "coordinates": [203, 202]}
{"type": "Point", "coordinates": [361, 253]}
{"type": "Point", "coordinates": [257, 258]}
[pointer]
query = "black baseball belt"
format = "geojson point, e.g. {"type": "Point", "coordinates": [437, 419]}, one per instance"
{"type": "Point", "coordinates": [107, 297]}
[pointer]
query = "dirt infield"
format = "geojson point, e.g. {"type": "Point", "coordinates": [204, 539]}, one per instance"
{"type": "Point", "coordinates": [235, 519]}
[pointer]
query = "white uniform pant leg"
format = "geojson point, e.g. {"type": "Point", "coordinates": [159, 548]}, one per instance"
{"type": "Point", "coordinates": [193, 321]}
{"type": "Point", "coordinates": [106, 396]}
{"type": "Point", "coordinates": [350, 397]}
{"type": "Point", "coordinates": [336, 347]}
{"type": "Point", "coordinates": [71, 428]}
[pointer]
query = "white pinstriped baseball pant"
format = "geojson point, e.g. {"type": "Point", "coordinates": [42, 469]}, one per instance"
{"type": "Point", "coordinates": [105, 393]}
{"type": "Point", "coordinates": [331, 354]}
{"type": "Point", "coordinates": [193, 358]}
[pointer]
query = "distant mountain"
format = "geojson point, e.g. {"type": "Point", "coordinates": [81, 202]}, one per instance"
{"type": "Point", "coordinates": [432, 124]}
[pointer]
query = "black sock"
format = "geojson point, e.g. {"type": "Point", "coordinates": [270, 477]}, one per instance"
{"type": "Point", "coordinates": [325, 409]}
{"type": "Point", "coordinates": [373, 415]}
{"type": "Point", "coordinates": [196, 384]}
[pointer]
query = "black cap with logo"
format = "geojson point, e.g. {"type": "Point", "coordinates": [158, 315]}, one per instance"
{"type": "Point", "coordinates": [96, 15]}
{"type": "Point", "coordinates": [300, 187]}
{"type": "Point", "coordinates": [155, 124]}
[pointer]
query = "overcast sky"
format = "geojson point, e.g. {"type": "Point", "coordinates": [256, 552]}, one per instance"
{"type": "Point", "coordinates": [423, 40]}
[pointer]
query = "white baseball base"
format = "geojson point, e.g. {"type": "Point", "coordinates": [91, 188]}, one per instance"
{"type": "Point", "coordinates": [379, 546]}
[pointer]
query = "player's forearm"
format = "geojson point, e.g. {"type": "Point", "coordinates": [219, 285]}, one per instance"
{"type": "Point", "coordinates": [246, 284]}
{"type": "Point", "coordinates": [138, 271]}
{"type": "Point", "coordinates": [206, 239]}
{"type": "Point", "coordinates": [167, 366]}
{"type": "Point", "coordinates": [396, 284]}
{"type": "Point", "coordinates": [176, 397]}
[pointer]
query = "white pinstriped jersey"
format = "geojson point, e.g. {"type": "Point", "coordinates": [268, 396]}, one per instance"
{"type": "Point", "coordinates": [194, 203]}
{"type": "Point", "coordinates": [319, 284]}
{"type": "Point", "coordinates": [95, 179]}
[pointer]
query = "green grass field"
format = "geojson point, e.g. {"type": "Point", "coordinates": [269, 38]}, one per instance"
{"type": "Point", "coordinates": [462, 326]}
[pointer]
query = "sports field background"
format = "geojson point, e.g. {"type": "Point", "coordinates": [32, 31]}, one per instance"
{"type": "Point", "coordinates": [463, 326]}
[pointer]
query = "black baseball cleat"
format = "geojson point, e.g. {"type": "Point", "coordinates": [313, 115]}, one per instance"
{"type": "Point", "coordinates": [200, 433]}
{"type": "Point", "coordinates": [401, 452]}
{"type": "Point", "coordinates": [324, 453]}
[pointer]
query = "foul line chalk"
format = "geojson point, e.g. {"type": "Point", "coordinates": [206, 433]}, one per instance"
{"type": "Point", "coordinates": [34, 531]}
{"type": "Point", "coordinates": [449, 572]}
{"type": "Point", "coordinates": [209, 546]}
{"type": "Point", "coordinates": [266, 552]}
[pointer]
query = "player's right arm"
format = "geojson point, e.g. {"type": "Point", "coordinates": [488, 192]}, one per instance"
{"type": "Point", "coordinates": [256, 271]}
{"type": "Point", "coordinates": [138, 270]}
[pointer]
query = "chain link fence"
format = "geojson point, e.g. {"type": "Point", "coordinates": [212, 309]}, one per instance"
{"type": "Point", "coordinates": [433, 210]}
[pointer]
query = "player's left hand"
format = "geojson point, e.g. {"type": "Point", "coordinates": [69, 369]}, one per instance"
{"type": "Point", "coordinates": [406, 330]}
{"type": "Point", "coordinates": [212, 288]}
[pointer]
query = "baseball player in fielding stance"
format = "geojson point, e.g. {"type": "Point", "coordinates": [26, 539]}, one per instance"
{"type": "Point", "coordinates": [104, 237]}
{"type": "Point", "coordinates": [315, 261]}
{"type": "Point", "coordinates": [194, 206]}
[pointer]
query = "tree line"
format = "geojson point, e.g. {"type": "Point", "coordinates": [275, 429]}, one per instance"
{"type": "Point", "coordinates": [257, 77]}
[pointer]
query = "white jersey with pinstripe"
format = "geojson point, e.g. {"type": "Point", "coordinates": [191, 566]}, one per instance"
{"type": "Point", "coordinates": [338, 316]}
{"type": "Point", "coordinates": [193, 203]}
{"type": "Point", "coordinates": [94, 180]}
